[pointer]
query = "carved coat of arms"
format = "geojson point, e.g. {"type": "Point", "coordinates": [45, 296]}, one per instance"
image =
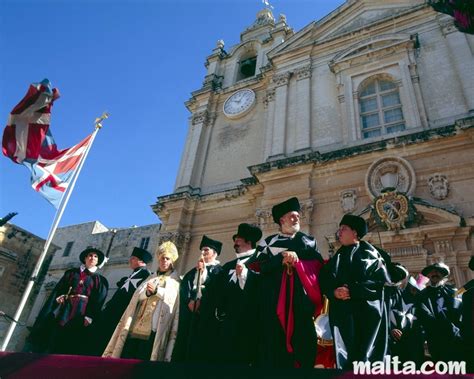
{"type": "Point", "coordinates": [392, 209]}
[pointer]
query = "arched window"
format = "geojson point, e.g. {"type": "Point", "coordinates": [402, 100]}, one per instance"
{"type": "Point", "coordinates": [380, 108]}
{"type": "Point", "coordinates": [247, 65]}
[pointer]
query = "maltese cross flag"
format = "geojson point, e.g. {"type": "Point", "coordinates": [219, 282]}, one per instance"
{"type": "Point", "coordinates": [27, 140]}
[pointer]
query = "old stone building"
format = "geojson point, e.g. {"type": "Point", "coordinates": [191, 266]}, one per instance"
{"type": "Point", "coordinates": [369, 111]}
{"type": "Point", "coordinates": [19, 252]}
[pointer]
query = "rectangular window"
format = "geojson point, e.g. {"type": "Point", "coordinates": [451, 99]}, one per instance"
{"type": "Point", "coordinates": [368, 105]}
{"type": "Point", "coordinates": [370, 121]}
{"type": "Point", "coordinates": [68, 248]}
{"type": "Point", "coordinates": [396, 128]}
{"type": "Point", "coordinates": [390, 99]}
{"type": "Point", "coordinates": [372, 133]}
{"type": "Point", "coordinates": [392, 115]}
{"type": "Point", "coordinates": [144, 242]}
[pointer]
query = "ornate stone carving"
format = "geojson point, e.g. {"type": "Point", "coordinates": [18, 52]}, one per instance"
{"type": "Point", "coordinates": [269, 96]}
{"type": "Point", "coordinates": [213, 82]}
{"type": "Point", "coordinates": [390, 172]}
{"type": "Point", "coordinates": [393, 210]}
{"type": "Point", "coordinates": [181, 240]}
{"type": "Point", "coordinates": [306, 211]}
{"type": "Point", "coordinates": [439, 186]}
{"type": "Point", "coordinates": [303, 73]}
{"type": "Point", "coordinates": [201, 117]}
{"type": "Point", "coordinates": [281, 79]}
{"type": "Point", "coordinates": [348, 200]}
{"type": "Point", "coordinates": [264, 217]}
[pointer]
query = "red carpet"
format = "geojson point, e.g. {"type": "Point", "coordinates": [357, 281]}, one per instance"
{"type": "Point", "coordinates": [37, 366]}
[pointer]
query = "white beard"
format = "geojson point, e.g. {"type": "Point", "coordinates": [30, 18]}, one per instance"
{"type": "Point", "coordinates": [290, 229]}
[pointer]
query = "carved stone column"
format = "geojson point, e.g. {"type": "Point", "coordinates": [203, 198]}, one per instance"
{"type": "Point", "coordinates": [303, 109]}
{"type": "Point", "coordinates": [281, 103]}
{"type": "Point", "coordinates": [461, 60]}
{"type": "Point", "coordinates": [269, 105]}
{"type": "Point", "coordinates": [194, 146]}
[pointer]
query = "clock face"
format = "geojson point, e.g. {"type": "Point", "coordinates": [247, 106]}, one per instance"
{"type": "Point", "coordinates": [239, 103]}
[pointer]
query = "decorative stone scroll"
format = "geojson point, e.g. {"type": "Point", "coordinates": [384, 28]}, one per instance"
{"type": "Point", "coordinates": [390, 172]}
{"type": "Point", "coordinates": [348, 200]}
{"type": "Point", "coordinates": [439, 186]}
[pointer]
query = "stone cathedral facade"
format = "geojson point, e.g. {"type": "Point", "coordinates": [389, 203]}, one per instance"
{"type": "Point", "coordinates": [368, 111]}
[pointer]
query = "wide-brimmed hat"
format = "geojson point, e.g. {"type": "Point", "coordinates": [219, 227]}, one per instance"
{"type": "Point", "coordinates": [356, 223]}
{"type": "Point", "coordinates": [438, 266]}
{"type": "Point", "coordinates": [142, 254]}
{"type": "Point", "coordinates": [168, 248]}
{"type": "Point", "coordinates": [100, 255]}
{"type": "Point", "coordinates": [213, 244]}
{"type": "Point", "coordinates": [397, 272]}
{"type": "Point", "coordinates": [281, 209]}
{"type": "Point", "coordinates": [248, 232]}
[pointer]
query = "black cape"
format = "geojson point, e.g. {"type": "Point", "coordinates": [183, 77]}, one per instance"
{"type": "Point", "coordinates": [236, 312]}
{"type": "Point", "coordinates": [467, 329]}
{"type": "Point", "coordinates": [105, 325]}
{"type": "Point", "coordinates": [272, 348]}
{"type": "Point", "coordinates": [197, 331]}
{"type": "Point", "coordinates": [410, 347]}
{"type": "Point", "coordinates": [359, 325]}
{"type": "Point", "coordinates": [59, 328]}
{"type": "Point", "coordinates": [439, 312]}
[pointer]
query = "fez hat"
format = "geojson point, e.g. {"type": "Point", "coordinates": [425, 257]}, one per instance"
{"type": "Point", "coordinates": [213, 244]}
{"type": "Point", "coordinates": [356, 223]}
{"type": "Point", "coordinates": [471, 263]}
{"type": "Point", "coordinates": [142, 254]}
{"type": "Point", "coordinates": [168, 248]}
{"type": "Point", "coordinates": [281, 209]}
{"type": "Point", "coordinates": [100, 255]}
{"type": "Point", "coordinates": [248, 232]}
{"type": "Point", "coordinates": [438, 266]}
{"type": "Point", "coordinates": [397, 272]}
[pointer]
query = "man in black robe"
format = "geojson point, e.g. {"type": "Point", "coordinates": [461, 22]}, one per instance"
{"type": "Point", "coordinates": [406, 337]}
{"type": "Point", "coordinates": [197, 327]}
{"type": "Point", "coordinates": [467, 326]}
{"type": "Point", "coordinates": [63, 322]}
{"type": "Point", "coordinates": [114, 308]}
{"type": "Point", "coordinates": [289, 294]}
{"type": "Point", "coordinates": [353, 280]}
{"type": "Point", "coordinates": [439, 311]}
{"type": "Point", "coordinates": [237, 299]}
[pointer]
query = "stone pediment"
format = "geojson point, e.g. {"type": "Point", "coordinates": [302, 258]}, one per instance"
{"type": "Point", "coordinates": [349, 17]}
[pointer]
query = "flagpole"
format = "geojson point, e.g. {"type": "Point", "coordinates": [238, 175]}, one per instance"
{"type": "Point", "coordinates": [52, 231]}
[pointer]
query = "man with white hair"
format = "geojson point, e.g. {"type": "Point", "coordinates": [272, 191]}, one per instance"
{"type": "Point", "coordinates": [439, 311]}
{"type": "Point", "coordinates": [289, 298]}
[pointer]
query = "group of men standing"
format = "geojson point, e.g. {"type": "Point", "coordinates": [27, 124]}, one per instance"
{"type": "Point", "coordinates": [259, 309]}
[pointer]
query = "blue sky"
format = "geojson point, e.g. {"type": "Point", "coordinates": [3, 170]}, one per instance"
{"type": "Point", "coordinates": [139, 60]}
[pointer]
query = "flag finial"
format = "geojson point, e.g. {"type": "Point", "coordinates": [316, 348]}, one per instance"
{"type": "Point", "coordinates": [98, 121]}
{"type": "Point", "coordinates": [267, 4]}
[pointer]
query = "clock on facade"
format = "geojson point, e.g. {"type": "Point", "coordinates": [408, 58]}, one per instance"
{"type": "Point", "coordinates": [239, 103]}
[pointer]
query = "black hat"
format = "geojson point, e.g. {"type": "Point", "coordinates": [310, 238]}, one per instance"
{"type": "Point", "coordinates": [100, 255]}
{"type": "Point", "coordinates": [397, 272]}
{"type": "Point", "coordinates": [290, 205]}
{"type": "Point", "coordinates": [471, 263]}
{"type": "Point", "coordinates": [438, 266]}
{"type": "Point", "coordinates": [355, 223]}
{"type": "Point", "coordinates": [142, 254]}
{"type": "Point", "coordinates": [248, 232]}
{"type": "Point", "coordinates": [213, 244]}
